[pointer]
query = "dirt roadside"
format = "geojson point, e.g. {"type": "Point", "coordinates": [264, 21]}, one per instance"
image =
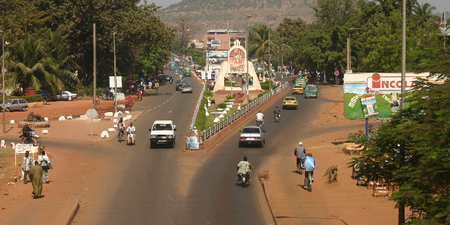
{"type": "Point", "coordinates": [346, 201]}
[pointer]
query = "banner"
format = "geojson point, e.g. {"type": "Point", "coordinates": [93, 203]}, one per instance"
{"type": "Point", "coordinates": [374, 95]}
{"type": "Point", "coordinates": [22, 148]}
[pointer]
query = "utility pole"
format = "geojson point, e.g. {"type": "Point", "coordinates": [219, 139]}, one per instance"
{"type": "Point", "coordinates": [95, 64]}
{"type": "Point", "coordinates": [282, 53]}
{"type": "Point", "coordinates": [246, 58]}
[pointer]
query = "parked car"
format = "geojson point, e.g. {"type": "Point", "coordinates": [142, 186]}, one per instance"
{"type": "Point", "coordinates": [252, 135]}
{"type": "Point", "coordinates": [311, 91]}
{"type": "Point", "coordinates": [66, 95]}
{"type": "Point", "coordinates": [15, 104]}
{"type": "Point", "coordinates": [46, 97]}
{"type": "Point", "coordinates": [186, 88]}
{"type": "Point", "coordinates": [290, 102]}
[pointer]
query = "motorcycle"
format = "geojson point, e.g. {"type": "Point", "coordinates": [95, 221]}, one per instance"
{"type": "Point", "coordinates": [131, 139]}
{"type": "Point", "coordinates": [32, 139]}
{"type": "Point", "coordinates": [244, 179]}
{"type": "Point", "coordinates": [277, 118]}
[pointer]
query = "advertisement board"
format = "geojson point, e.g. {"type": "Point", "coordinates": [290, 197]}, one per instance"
{"type": "Point", "coordinates": [216, 43]}
{"type": "Point", "coordinates": [374, 95]}
{"type": "Point", "coordinates": [118, 80]}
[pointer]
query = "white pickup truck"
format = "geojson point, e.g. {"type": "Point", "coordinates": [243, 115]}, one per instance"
{"type": "Point", "coordinates": [162, 133]}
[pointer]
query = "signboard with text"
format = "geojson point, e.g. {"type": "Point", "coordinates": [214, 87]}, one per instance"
{"type": "Point", "coordinates": [374, 95]}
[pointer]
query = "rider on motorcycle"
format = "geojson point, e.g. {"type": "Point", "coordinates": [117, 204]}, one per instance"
{"type": "Point", "coordinates": [276, 112]}
{"type": "Point", "coordinates": [259, 118]}
{"type": "Point", "coordinates": [26, 130]}
{"type": "Point", "coordinates": [244, 167]}
{"type": "Point", "coordinates": [130, 131]}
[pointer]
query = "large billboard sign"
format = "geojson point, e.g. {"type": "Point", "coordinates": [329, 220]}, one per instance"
{"type": "Point", "coordinates": [374, 95]}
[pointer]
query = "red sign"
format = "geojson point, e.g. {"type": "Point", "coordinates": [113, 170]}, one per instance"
{"type": "Point", "coordinates": [287, 66]}
{"type": "Point", "coordinates": [336, 73]}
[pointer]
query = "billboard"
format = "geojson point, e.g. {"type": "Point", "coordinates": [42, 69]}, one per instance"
{"type": "Point", "coordinates": [374, 95]}
{"type": "Point", "coordinates": [216, 43]}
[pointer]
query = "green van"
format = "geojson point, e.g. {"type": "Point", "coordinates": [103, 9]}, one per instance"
{"type": "Point", "coordinates": [311, 91]}
{"type": "Point", "coordinates": [187, 71]}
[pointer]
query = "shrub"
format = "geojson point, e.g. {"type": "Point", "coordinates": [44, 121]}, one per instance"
{"type": "Point", "coordinates": [201, 116]}
{"type": "Point", "coordinates": [221, 105]}
{"type": "Point", "coordinates": [210, 87]}
{"type": "Point", "coordinates": [265, 85]}
{"type": "Point", "coordinates": [229, 97]}
{"type": "Point", "coordinates": [209, 94]}
{"type": "Point", "coordinates": [31, 98]}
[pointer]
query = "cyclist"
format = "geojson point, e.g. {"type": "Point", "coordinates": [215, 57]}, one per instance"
{"type": "Point", "coordinates": [120, 129]}
{"type": "Point", "coordinates": [259, 118]}
{"type": "Point", "coordinates": [310, 164]}
{"type": "Point", "coordinates": [299, 151]}
{"type": "Point", "coordinates": [276, 112]}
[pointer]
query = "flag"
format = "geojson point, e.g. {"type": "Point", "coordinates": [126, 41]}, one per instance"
{"type": "Point", "coordinates": [443, 18]}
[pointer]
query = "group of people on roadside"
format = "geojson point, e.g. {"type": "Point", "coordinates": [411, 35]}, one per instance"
{"type": "Point", "coordinates": [37, 171]}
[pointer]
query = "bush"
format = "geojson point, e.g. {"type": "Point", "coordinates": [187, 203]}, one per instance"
{"type": "Point", "coordinates": [84, 91]}
{"type": "Point", "coordinates": [265, 92]}
{"type": "Point", "coordinates": [200, 121]}
{"type": "Point", "coordinates": [221, 105]}
{"type": "Point", "coordinates": [210, 87]}
{"type": "Point", "coordinates": [265, 85]}
{"type": "Point", "coordinates": [31, 98]}
{"type": "Point", "coordinates": [229, 97]}
{"type": "Point", "coordinates": [209, 94]}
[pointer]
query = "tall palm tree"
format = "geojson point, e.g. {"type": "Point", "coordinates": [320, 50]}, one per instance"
{"type": "Point", "coordinates": [36, 64]}
{"type": "Point", "coordinates": [259, 43]}
{"type": "Point", "coordinates": [423, 13]}
{"type": "Point", "coordinates": [30, 65]}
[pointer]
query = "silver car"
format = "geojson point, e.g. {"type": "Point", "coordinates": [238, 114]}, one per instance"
{"type": "Point", "coordinates": [186, 88]}
{"type": "Point", "coordinates": [66, 95]}
{"type": "Point", "coordinates": [252, 135]}
{"type": "Point", "coordinates": [15, 104]}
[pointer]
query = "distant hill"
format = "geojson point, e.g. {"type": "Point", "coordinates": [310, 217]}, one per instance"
{"type": "Point", "coordinates": [216, 13]}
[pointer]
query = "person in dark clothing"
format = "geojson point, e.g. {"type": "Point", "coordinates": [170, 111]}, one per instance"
{"type": "Point", "coordinates": [299, 151]}
{"type": "Point", "coordinates": [26, 130]}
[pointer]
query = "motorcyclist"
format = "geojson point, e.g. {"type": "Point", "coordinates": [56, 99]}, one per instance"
{"type": "Point", "coordinates": [26, 130]}
{"type": "Point", "coordinates": [276, 112]}
{"type": "Point", "coordinates": [299, 151]}
{"type": "Point", "coordinates": [260, 118]}
{"type": "Point", "coordinates": [130, 131]}
{"type": "Point", "coordinates": [244, 167]}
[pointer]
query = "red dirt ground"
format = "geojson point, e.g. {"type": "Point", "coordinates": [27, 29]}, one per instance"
{"type": "Point", "coordinates": [353, 204]}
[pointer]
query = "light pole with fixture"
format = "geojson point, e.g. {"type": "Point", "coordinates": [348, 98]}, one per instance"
{"type": "Point", "coordinates": [349, 58]}
{"type": "Point", "coordinates": [115, 77]}
{"type": "Point", "coordinates": [3, 84]}
{"type": "Point", "coordinates": [282, 53]}
{"type": "Point", "coordinates": [246, 60]}
{"type": "Point", "coordinates": [270, 65]}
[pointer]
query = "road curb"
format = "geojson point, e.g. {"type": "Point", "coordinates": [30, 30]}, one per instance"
{"type": "Point", "coordinates": [265, 187]}
{"type": "Point", "coordinates": [217, 136]}
{"type": "Point", "coordinates": [74, 212]}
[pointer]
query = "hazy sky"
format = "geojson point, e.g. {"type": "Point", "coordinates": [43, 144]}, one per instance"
{"type": "Point", "coordinates": [440, 5]}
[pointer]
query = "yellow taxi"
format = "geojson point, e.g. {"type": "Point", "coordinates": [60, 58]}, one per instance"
{"type": "Point", "coordinates": [290, 102]}
{"type": "Point", "coordinates": [297, 89]}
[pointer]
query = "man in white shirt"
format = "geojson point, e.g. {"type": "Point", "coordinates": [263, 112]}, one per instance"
{"type": "Point", "coordinates": [130, 131]}
{"type": "Point", "coordinates": [44, 162]}
{"type": "Point", "coordinates": [27, 163]}
{"type": "Point", "coordinates": [259, 118]}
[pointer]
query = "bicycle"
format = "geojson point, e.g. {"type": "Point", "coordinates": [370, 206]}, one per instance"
{"type": "Point", "coordinates": [119, 136]}
{"type": "Point", "coordinates": [309, 186]}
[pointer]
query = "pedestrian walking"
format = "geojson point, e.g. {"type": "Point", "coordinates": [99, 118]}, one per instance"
{"type": "Point", "coordinates": [156, 86]}
{"type": "Point", "coordinates": [27, 163]}
{"type": "Point", "coordinates": [36, 179]}
{"type": "Point", "coordinates": [150, 84]}
{"type": "Point", "coordinates": [44, 162]}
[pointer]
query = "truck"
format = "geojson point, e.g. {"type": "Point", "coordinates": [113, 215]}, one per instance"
{"type": "Point", "coordinates": [162, 133]}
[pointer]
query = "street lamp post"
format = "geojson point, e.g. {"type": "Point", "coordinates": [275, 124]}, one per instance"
{"type": "Point", "coordinates": [270, 65]}
{"type": "Point", "coordinates": [115, 78]}
{"type": "Point", "coordinates": [282, 53]}
{"type": "Point", "coordinates": [246, 59]}
{"type": "Point", "coordinates": [3, 84]}
{"type": "Point", "coordinates": [349, 59]}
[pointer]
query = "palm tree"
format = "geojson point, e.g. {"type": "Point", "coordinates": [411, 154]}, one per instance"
{"type": "Point", "coordinates": [29, 64]}
{"type": "Point", "coordinates": [259, 42]}
{"type": "Point", "coordinates": [423, 13]}
{"type": "Point", "coordinates": [37, 64]}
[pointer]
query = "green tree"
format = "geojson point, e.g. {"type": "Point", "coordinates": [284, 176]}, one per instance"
{"type": "Point", "coordinates": [259, 42]}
